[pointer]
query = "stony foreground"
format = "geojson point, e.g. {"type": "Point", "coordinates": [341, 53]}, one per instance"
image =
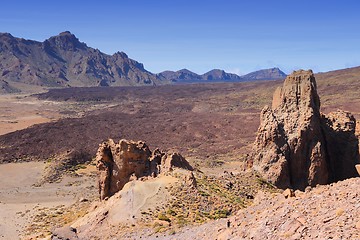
{"type": "Point", "coordinates": [324, 212]}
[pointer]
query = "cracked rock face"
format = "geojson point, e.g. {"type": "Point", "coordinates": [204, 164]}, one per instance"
{"type": "Point", "coordinates": [116, 163]}
{"type": "Point", "coordinates": [296, 146]}
{"type": "Point", "coordinates": [119, 163]}
{"type": "Point", "coordinates": [342, 144]}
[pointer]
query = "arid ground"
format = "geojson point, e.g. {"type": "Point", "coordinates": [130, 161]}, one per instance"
{"type": "Point", "coordinates": [212, 125]}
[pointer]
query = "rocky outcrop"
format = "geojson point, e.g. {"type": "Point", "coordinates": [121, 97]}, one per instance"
{"type": "Point", "coordinates": [172, 160]}
{"type": "Point", "coordinates": [118, 163]}
{"type": "Point", "coordinates": [296, 146]}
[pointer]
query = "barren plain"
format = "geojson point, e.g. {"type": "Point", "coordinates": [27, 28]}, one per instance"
{"type": "Point", "coordinates": [212, 125]}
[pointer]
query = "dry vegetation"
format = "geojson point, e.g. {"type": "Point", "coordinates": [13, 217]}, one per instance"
{"type": "Point", "coordinates": [213, 198]}
{"type": "Point", "coordinates": [47, 219]}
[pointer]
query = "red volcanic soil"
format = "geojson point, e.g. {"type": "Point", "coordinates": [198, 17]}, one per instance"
{"type": "Point", "coordinates": [212, 121]}
{"type": "Point", "coordinates": [202, 121]}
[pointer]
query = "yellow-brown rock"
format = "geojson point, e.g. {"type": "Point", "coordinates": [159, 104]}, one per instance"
{"type": "Point", "coordinates": [119, 163]}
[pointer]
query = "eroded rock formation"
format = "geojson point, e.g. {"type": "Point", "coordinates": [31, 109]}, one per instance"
{"type": "Point", "coordinates": [118, 163]}
{"type": "Point", "coordinates": [296, 146]}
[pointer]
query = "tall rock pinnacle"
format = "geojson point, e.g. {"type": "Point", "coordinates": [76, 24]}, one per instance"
{"type": "Point", "coordinates": [295, 144]}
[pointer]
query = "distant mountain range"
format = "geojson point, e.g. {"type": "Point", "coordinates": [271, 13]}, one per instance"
{"type": "Point", "coordinates": [218, 75]}
{"type": "Point", "coordinates": [64, 61]}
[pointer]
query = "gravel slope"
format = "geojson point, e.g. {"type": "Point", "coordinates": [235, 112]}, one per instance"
{"type": "Point", "coordinates": [323, 212]}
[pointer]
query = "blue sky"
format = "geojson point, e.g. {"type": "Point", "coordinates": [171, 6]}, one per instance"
{"type": "Point", "coordinates": [234, 35]}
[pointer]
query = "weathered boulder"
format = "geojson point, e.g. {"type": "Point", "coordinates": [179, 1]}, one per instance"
{"type": "Point", "coordinates": [190, 180]}
{"type": "Point", "coordinates": [296, 146]}
{"type": "Point", "coordinates": [168, 161]}
{"type": "Point", "coordinates": [120, 163]}
{"type": "Point", "coordinates": [64, 233]}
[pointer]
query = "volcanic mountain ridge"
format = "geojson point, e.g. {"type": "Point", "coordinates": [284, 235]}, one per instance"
{"type": "Point", "coordinates": [64, 61]}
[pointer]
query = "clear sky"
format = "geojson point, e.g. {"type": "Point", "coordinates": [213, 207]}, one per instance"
{"type": "Point", "coordinates": [235, 35]}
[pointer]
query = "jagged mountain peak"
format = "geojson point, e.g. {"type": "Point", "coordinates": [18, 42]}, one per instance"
{"type": "Point", "coordinates": [120, 54]}
{"type": "Point", "coordinates": [66, 33]}
{"type": "Point", "coordinates": [66, 41]}
{"type": "Point", "coordinates": [4, 35]}
{"type": "Point", "coordinates": [8, 39]}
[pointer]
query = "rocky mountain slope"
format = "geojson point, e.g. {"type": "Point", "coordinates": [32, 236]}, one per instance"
{"type": "Point", "coordinates": [63, 60]}
{"type": "Point", "coordinates": [6, 88]}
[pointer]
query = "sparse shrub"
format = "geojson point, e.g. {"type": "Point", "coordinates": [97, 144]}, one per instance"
{"type": "Point", "coordinates": [221, 213]}
{"type": "Point", "coordinates": [263, 182]}
{"type": "Point", "coordinates": [159, 229]}
{"type": "Point", "coordinates": [181, 220]}
{"type": "Point", "coordinates": [171, 212]}
{"type": "Point", "coordinates": [204, 194]}
{"type": "Point", "coordinates": [163, 217]}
